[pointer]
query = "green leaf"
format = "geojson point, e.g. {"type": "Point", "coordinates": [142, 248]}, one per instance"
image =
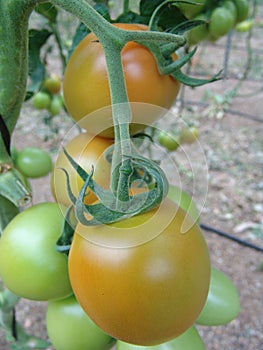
{"type": "Point", "coordinates": [131, 17]}
{"type": "Point", "coordinates": [183, 27]}
{"type": "Point", "coordinates": [36, 69]}
{"type": "Point", "coordinates": [47, 10]}
{"type": "Point", "coordinates": [147, 7]}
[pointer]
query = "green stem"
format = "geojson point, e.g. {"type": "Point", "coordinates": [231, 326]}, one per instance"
{"type": "Point", "coordinates": [59, 43]}
{"type": "Point", "coordinates": [14, 17]}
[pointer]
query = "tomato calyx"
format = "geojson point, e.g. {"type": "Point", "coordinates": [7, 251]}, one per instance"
{"type": "Point", "coordinates": [109, 207]}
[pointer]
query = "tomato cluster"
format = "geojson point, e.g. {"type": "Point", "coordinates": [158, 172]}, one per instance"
{"type": "Point", "coordinates": [144, 280]}
{"type": "Point", "coordinates": [219, 18]}
{"type": "Point", "coordinates": [49, 97]}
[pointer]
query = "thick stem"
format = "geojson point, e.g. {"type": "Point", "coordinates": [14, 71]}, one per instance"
{"type": "Point", "coordinates": [14, 17]}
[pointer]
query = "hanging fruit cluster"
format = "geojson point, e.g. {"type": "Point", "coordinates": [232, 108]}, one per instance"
{"type": "Point", "coordinates": [219, 18]}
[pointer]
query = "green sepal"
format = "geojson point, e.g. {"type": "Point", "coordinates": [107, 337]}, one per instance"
{"type": "Point", "coordinates": [109, 209]}
{"type": "Point", "coordinates": [64, 242]}
{"type": "Point", "coordinates": [194, 82]}
{"type": "Point", "coordinates": [179, 63]}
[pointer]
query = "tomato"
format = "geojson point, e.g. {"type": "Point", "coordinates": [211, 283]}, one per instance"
{"type": "Point", "coordinates": [52, 84]}
{"type": "Point", "coordinates": [168, 140]}
{"type": "Point", "coordinates": [242, 9]}
{"type": "Point", "coordinates": [33, 162]}
{"type": "Point", "coordinates": [86, 87]}
{"type": "Point", "coordinates": [55, 105]}
{"type": "Point", "coordinates": [222, 304]}
{"type": "Point", "coordinates": [189, 340]}
{"type": "Point", "coordinates": [244, 26]}
{"type": "Point", "coordinates": [190, 10]}
{"type": "Point", "coordinates": [199, 33]}
{"type": "Point", "coordinates": [69, 327]}
{"type": "Point", "coordinates": [87, 151]}
{"type": "Point", "coordinates": [188, 134]}
{"type": "Point", "coordinates": [143, 280]}
{"type": "Point", "coordinates": [185, 201]}
{"type": "Point", "coordinates": [41, 100]}
{"type": "Point", "coordinates": [221, 22]}
{"type": "Point", "coordinates": [30, 266]}
{"type": "Point", "coordinates": [229, 4]}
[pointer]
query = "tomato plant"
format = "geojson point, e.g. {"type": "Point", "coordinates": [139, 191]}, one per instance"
{"type": "Point", "coordinates": [86, 87]}
{"type": "Point", "coordinates": [33, 162]}
{"type": "Point", "coordinates": [222, 304]}
{"type": "Point", "coordinates": [189, 340]}
{"type": "Point", "coordinates": [30, 266]}
{"type": "Point", "coordinates": [128, 274]}
{"type": "Point", "coordinates": [69, 327]}
{"type": "Point", "coordinates": [87, 151]}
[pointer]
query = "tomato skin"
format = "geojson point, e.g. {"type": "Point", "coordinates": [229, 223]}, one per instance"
{"type": "Point", "coordinates": [189, 340]}
{"type": "Point", "coordinates": [168, 140]}
{"type": "Point", "coordinates": [199, 33]}
{"type": "Point", "coordinates": [41, 100]}
{"type": "Point", "coordinates": [33, 162]}
{"type": "Point", "coordinates": [30, 266]}
{"type": "Point", "coordinates": [221, 21]}
{"type": "Point", "coordinates": [55, 105]}
{"type": "Point", "coordinates": [141, 280]}
{"type": "Point", "coordinates": [185, 201]}
{"type": "Point", "coordinates": [188, 134]}
{"type": "Point", "coordinates": [242, 7]}
{"type": "Point", "coordinates": [190, 11]}
{"type": "Point", "coordinates": [87, 151]}
{"type": "Point", "coordinates": [69, 327]}
{"type": "Point", "coordinates": [86, 87]}
{"type": "Point", "coordinates": [222, 304]}
{"type": "Point", "coordinates": [52, 84]}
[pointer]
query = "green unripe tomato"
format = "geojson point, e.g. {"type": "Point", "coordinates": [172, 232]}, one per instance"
{"type": "Point", "coordinates": [41, 100]}
{"type": "Point", "coordinates": [30, 266]}
{"type": "Point", "coordinates": [55, 105]}
{"type": "Point", "coordinates": [70, 328]}
{"type": "Point", "coordinates": [244, 26]}
{"type": "Point", "coordinates": [242, 7]}
{"type": "Point", "coordinates": [222, 304]}
{"type": "Point", "coordinates": [189, 340]}
{"type": "Point", "coordinates": [230, 6]}
{"type": "Point", "coordinates": [188, 134]}
{"type": "Point", "coordinates": [33, 162]}
{"type": "Point", "coordinates": [52, 84]}
{"type": "Point", "coordinates": [168, 140]}
{"type": "Point", "coordinates": [190, 11]}
{"type": "Point", "coordinates": [221, 22]}
{"type": "Point", "coordinates": [185, 201]}
{"type": "Point", "coordinates": [199, 33]}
